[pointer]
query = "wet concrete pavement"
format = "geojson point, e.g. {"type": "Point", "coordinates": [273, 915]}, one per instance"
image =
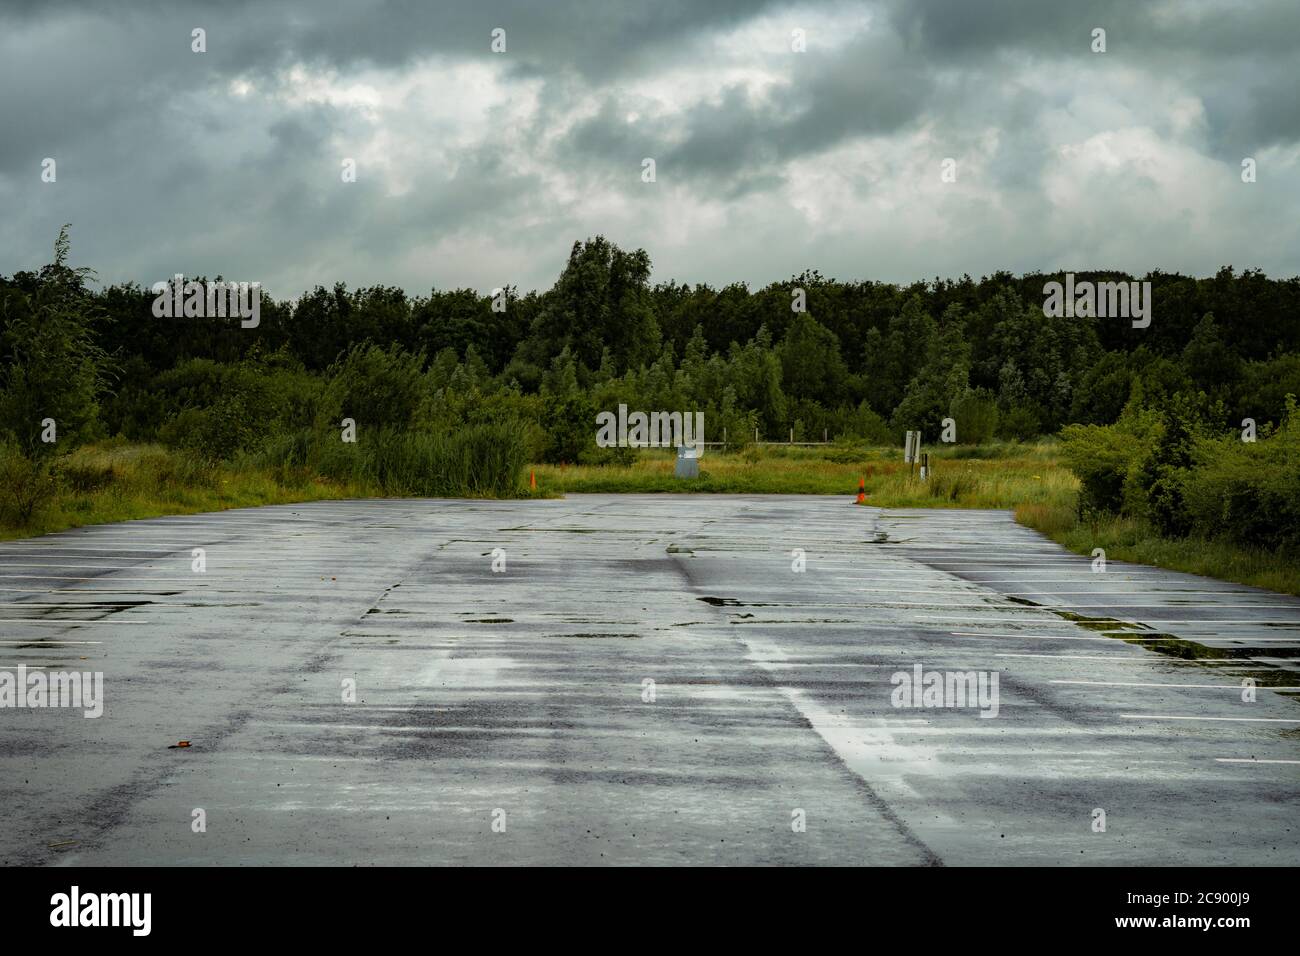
{"type": "Point", "coordinates": [648, 681]}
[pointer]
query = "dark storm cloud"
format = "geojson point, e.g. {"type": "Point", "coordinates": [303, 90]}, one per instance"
{"type": "Point", "coordinates": [951, 28]}
{"type": "Point", "coordinates": [738, 141]}
{"type": "Point", "coordinates": [595, 37]}
{"type": "Point", "coordinates": [948, 27]}
{"type": "Point", "coordinates": [472, 164]}
{"type": "Point", "coordinates": [1241, 58]}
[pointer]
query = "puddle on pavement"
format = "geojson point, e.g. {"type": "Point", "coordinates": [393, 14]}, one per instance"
{"type": "Point", "coordinates": [1171, 645]}
{"type": "Point", "coordinates": [558, 530]}
{"type": "Point", "coordinates": [599, 635]}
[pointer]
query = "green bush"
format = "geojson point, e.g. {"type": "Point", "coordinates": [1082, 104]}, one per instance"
{"type": "Point", "coordinates": [1165, 472]}
{"type": "Point", "coordinates": [569, 423]}
{"type": "Point", "coordinates": [51, 365]}
{"type": "Point", "coordinates": [860, 423]}
{"type": "Point", "coordinates": [1102, 457]}
{"type": "Point", "coordinates": [1018, 423]}
{"type": "Point", "coordinates": [976, 413]}
{"type": "Point", "coordinates": [217, 411]}
{"type": "Point", "coordinates": [218, 432]}
{"type": "Point", "coordinates": [1248, 492]}
{"type": "Point", "coordinates": [1170, 471]}
{"type": "Point", "coordinates": [378, 388]}
{"type": "Point", "coordinates": [26, 486]}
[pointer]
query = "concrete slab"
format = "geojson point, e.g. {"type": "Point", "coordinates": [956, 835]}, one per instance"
{"type": "Point", "coordinates": [650, 680]}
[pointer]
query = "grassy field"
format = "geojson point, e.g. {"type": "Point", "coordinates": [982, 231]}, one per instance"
{"type": "Point", "coordinates": [1127, 540]}
{"type": "Point", "coordinates": [993, 476]}
{"type": "Point", "coordinates": [110, 482]}
{"type": "Point", "coordinates": [117, 482]}
{"type": "Point", "coordinates": [1028, 478]}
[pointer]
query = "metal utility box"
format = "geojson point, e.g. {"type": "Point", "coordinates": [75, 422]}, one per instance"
{"type": "Point", "coordinates": [688, 462]}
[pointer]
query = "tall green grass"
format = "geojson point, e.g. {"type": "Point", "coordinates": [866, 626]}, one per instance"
{"type": "Point", "coordinates": [475, 461]}
{"type": "Point", "coordinates": [1132, 539]}
{"type": "Point", "coordinates": [115, 481]}
{"type": "Point", "coordinates": [1011, 474]}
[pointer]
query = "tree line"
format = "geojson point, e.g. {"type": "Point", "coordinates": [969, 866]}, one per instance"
{"type": "Point", "coordinates": [860, 360]}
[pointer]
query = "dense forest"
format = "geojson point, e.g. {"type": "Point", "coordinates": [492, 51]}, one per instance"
{"type": "Point", "coordinates": [866, 359]}
{"type": "Point", "coordinates": [858, 360]}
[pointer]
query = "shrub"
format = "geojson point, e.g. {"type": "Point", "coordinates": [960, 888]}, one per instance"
{"type": "Point", "coordinates": [51, 366]}
{"type": "Point", "coordinates": [377, 387]}
{"type": "Point", "coordinates": [1102, 457]}
{"type": "Point", "coordinates": [569, 422]}
{"type": "Point", "coordinates": [1165, 471]}
{"type": "Point", "coordinates": [26, 486]}
{"type": "Point", "coordinates": [976, 413]}
{"type": "Point", "coordinates": [218, 432]}
{"type": "Point", "coordinates": [1019, 423]}
{"type": "Point", "coordinates": [1248, 493]}
{"type": "Point", "coordinates": [218, 411]}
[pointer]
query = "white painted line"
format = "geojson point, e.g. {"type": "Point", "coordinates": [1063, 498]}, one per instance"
{"type": "Point", "coordinates": [178, 568]}
{"type": "Point", "coordinates": [1111, 683]}
{"type": "Point", "coordinates": [1213, 605]}
{"type": "Point", "coordinates": [1251, 760]}
{"type": "Point", "coordinates": [164, 551]}
{"type": "Point", "coordinates": [145, 585]}
{"type": "Point", "coordinates": [1144, 659]}
{"type": "Point", "coordinates": [1029, 566]}
{"type": "Point", "coordinates": [1029, 637]}
{"type": "Point", "coordinates": [39, 643]}
{"type": "Point", "coordinates": [972, 592]}
{"type": "Point", "coordinates": [196, 576]}
{"type": "Point", "coordinates": [968, 592]}
{"type": "Point", "coordinates": [53, 577]}
{"type": "Point", "coordinates": [1131, 636]}
{"type": "Point", "coordinates": [1046, 637]}
{"type": "Point", "coordinates": [60, 622]}
{"type": "Point", "coordinates": [1249, 720]}
{"type": "Point", "coordinates": [67, 567]}
{"type": "Point", "coordinates": [1145, 620]}
{"type": "Point", "coordinates": [61, 548]}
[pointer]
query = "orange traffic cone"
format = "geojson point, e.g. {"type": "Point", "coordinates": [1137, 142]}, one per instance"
{"type": "Point", "coordinates": [532, 480]}
{"type": "Point", "coordinates": [862, 491]}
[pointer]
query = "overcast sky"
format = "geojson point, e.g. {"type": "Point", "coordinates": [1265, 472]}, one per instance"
{"type": "Point", "coordinates": [480, 169]}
